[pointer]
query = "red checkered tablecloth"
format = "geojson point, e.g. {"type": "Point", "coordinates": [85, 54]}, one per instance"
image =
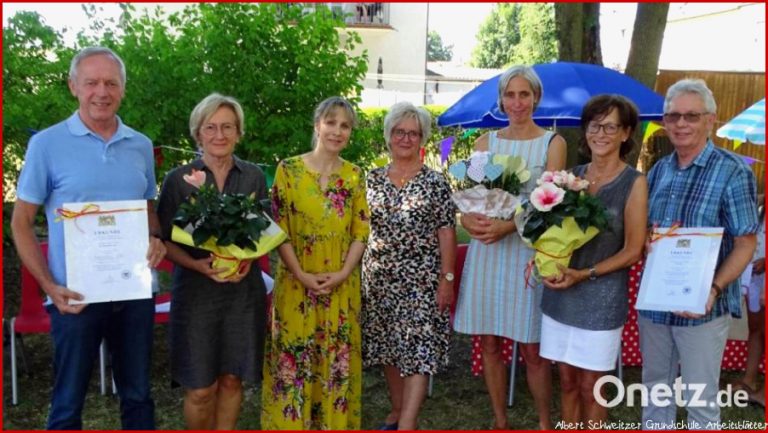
{"type": "Point", "coordinates": [734, 358]}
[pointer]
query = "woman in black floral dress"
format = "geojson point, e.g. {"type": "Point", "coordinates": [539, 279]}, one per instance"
{"type": "Point", "coordinates": [408, 267]}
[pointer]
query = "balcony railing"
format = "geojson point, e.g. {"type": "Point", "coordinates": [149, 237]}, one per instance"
{"type": "Point", "coordinates": [353, 14]}
{"type": "Point", "coordinates": [362, 14]}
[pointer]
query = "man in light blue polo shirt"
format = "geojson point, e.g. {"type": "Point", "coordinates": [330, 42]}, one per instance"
{"type": "Point", "coordinates": [91, 156]}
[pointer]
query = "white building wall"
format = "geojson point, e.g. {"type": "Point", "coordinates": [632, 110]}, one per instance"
{"type": "Point", "coordinates": [698, 36]}
{"type": "Point", "coordinates": [403, 50]}
{"type": "Point", "coordinates": [446, 92]}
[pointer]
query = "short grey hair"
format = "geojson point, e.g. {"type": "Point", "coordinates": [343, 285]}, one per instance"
{"type": "Point", "coordinates": [208, 106]}
{"type": "Point", "coordinates": [529, 75]}
{"type": "Point", "coordinates": [693, 86]}
{"type": "Point", "coordinates": [405, 110]}
{"type": "Point", "coordinates": [96, 51]}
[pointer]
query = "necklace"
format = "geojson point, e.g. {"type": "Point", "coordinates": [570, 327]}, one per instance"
{"type": "Point", "coordinates": [599, 177]}
{"type": "Point", "coordinates": [403, 175]}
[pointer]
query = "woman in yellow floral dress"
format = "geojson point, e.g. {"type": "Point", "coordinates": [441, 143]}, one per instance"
{"type": "Point", "coordinates": [312, 366]}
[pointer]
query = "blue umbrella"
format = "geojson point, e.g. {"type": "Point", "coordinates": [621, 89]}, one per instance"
{"type": "Point", "coordinates": [749, 125]}
{"type": "Point", "coordinates": [567, 86]}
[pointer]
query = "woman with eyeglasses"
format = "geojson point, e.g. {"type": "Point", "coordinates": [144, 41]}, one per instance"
{"type": "Point", "coordinates": [313, 365]}
{"type": "Point", "coordinates": [408, 267]}
{"type": "Point", "coordinates": [494, 300]}
{"type": "Point", "coordinates": [585, 306]}
{"type": "Point", "coordinates": [216, 325]}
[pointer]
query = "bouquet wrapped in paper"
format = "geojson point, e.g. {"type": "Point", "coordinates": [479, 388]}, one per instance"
{"type": "Point", "coordinates": [490, 183]}
{"type": "Point", "coordinates": [234, 227]}
{"type": "Point", "coordinates": [559, 217]}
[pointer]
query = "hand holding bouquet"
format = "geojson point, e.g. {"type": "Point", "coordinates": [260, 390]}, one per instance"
{"type": "Point", "coordinates": [490, 183]}
{"type": "Point", "coordinates": [559, 218]}
{"type": "Point", "coordinates": [233, 227]}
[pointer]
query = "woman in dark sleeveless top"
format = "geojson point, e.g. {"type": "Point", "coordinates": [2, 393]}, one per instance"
{"type": "Point", "coordinates": [585, 307]}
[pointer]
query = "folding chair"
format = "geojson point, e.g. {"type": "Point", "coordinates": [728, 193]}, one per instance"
{"type": "Point", "coordinates": [33, 319]}
{"type": "Point", "coordinates": [461, 255]}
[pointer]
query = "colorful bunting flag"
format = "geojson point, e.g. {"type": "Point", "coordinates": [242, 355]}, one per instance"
{"type": "Point", "coordinates": [381, 161]}
{"type": "Point", "coordinates": [749, 160]}
{"type": "Point", "coordinates": [650, 129]}
{"type": "Point", "coordinates": [445, 148]}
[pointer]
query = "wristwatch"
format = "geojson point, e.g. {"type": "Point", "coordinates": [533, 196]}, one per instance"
{"type": "Point", "coordinates": [449, 276]}
{"type": "Point", "coordinates": [592, 273]}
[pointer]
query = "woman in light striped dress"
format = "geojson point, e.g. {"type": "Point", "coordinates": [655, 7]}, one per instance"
{"type": "Point", "coordinates": [493, 300]}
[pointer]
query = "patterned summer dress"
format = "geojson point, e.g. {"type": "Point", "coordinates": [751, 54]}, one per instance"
{"type": "Point", "coordinates": [313, 365]}
{"type": "Point", "coordinates": [401, 273]}
{"type": "Point", "coordinates": [493, 298]}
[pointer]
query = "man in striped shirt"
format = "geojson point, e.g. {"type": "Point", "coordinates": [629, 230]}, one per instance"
{"type": "Point", "coordinates": [698, 185]}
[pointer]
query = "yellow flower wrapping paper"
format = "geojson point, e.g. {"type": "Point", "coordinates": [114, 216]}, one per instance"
{"type": "Point", "coordinates": [557, 244]}
{"type": "Point", "coordinates": [230, 256]}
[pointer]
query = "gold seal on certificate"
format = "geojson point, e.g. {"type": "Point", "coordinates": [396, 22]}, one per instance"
{"type": "Point", "coordinates": [105, 245]}
{"type": "Point", "coordinates": [679, 269]}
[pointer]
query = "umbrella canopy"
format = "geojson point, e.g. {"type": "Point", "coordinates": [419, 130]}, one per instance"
{"type": "Point", "coordinates": [567, 87]}
{"type": "Point", "coordinates": [749, 125]}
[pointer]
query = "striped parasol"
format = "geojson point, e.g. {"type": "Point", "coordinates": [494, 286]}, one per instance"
{"type": "Point", "coordinates": [747, 126]}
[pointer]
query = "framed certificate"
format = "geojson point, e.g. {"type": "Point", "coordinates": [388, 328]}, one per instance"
{"type": "Point", "coordinates": [105, 245]}
{"type": "Point", "coordinates": [679, 269]}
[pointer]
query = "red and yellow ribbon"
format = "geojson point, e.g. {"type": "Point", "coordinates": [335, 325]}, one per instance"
{"type": "Point", "coordinates": [671, 233]}
{"type": "Point", "coordinates": [89, 209]}
{"type": "Point", "coordinates": [236, 269]}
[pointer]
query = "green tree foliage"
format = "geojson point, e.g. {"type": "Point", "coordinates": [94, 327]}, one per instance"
{"type": "Point", "coordinates": [436, 51]}
{"type": "Point", "coordinates": [35, 93]}
{"type": "Point", "coordinates": [516, 33]}
{"type": "Point", "coordinates": [496, 36]}
{"type": "Point", "coordinates": [278, 60]}
{"type": "Point", "coordinates": [538, 40]}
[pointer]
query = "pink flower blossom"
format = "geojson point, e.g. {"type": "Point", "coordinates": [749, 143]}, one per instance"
{"type": "Point", "coordinates": [546, 177]}
{"type": "Point", "coordinates": [287, 368]}
{"type": "Point", "coordinates": [196, 178]}
{"type": "Point", "coordinates": [547, 196]}
{"type": "Point", "coordinates": [577, 183]}
{"type": "Point", "coordinates": [560, 178]}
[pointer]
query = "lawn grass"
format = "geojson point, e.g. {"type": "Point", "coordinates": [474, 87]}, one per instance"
{"type": "Point", "coordinates": [459, 401]}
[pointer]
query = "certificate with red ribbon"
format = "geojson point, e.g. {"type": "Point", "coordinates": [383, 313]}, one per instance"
{"type": "Point", "coordinates": [105, 246]}
{"type": "Point", "coordinates": [679, 269]}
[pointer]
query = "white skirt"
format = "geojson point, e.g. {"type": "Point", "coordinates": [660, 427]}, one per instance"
{"type": "Point", "coordinates": [583, 348]}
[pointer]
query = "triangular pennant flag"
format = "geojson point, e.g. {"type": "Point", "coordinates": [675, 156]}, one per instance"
{"type": "Point", "coordinates": [445, 148]}
{"type": "Point", "coordinates": [736, 144]}
{"type": "Point", "coordinates": [650, 129]}
{"type": "Point", "coordinates": [381, 161]}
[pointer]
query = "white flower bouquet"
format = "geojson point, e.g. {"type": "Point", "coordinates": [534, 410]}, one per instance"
{"type": "Point", "coordinates": [490, 183]}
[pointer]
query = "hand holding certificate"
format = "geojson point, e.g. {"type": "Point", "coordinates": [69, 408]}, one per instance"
{"type": "Point", "coordinates": [105, 245]}
{"type": "Point", "coordinates": [679, 269]}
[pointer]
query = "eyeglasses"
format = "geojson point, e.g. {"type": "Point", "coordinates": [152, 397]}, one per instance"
{"type": "Point", "coordinates": [608, 128]}
{"type": "Point", "coordinates": [400, 133]}
{"type": "Point", "coordinates": [227, 129]}
{"type": "Point", "coordinates": [691, 117]}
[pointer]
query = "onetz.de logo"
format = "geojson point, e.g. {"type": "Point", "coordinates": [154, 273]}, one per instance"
{"type": "Point", "coordinates": [661, 395]}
